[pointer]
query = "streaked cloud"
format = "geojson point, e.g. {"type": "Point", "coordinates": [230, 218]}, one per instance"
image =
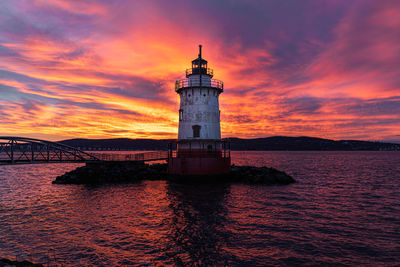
{"type": "Point", "coordinates": [107, 68]}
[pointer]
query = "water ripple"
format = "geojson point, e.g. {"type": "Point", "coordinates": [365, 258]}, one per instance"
{"type": "Point", "coordinates": [344, 210]}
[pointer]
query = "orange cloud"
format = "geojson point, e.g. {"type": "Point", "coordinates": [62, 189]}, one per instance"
{"type": "Point", "coordinates": [93, 69]}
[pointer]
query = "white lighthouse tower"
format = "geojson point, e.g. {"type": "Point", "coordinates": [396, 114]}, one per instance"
{"type": "Point", "coordinates": [200, 149]}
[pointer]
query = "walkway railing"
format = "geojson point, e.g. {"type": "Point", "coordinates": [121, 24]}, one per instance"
{"type": "Point", "coordinates": [146, 156]}
{"type": "Point", "coordinates": [200, 154]}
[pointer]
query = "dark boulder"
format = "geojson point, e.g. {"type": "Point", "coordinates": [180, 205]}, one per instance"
{"type": "Point", "coordinates": [112, 172]}
{"type": "Point", "coordinates": [259, 175]}
{"type": "Point", "coordinates": [7, 262]}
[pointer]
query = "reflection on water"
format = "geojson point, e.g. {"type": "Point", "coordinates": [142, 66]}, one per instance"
{"type": "Point", "coordinates": [345, 209]}
{"type": "Point", "coordinates": [197, 233]}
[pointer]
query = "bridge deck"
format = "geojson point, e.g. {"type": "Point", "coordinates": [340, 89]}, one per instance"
{"type": "Point", "coordinates": [20, 150]}
{"type": "Point", "coordinates": [21, 158]}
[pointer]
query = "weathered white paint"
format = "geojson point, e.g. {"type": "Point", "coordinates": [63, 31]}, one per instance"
{"type": "Point", "coordinates": [199, 106]}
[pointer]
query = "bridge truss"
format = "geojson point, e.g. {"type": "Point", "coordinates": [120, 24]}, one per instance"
{"type": "Point", "coordinates": [20, 150]}
{"type": "Point", "coordinates": [15, 150]}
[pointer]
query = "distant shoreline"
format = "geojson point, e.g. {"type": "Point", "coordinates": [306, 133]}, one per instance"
{"type": "Point", "coordinates": [275, 143]}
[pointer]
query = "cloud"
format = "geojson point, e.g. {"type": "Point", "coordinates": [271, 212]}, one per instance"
{"type": "Point", "coordinates": [376, 107]}
{"type": "Point", "coordinates": [365, 51]}
{"type": "Point", "coordinates": [107, 68]}
{"type": "Point", "coordinates": [302, 105]}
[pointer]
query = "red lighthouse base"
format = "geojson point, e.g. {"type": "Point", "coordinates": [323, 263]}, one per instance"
{"type": "Point", "coordinates": [199, 165]}
{"type": "Point", "coordinates": [211, 161]}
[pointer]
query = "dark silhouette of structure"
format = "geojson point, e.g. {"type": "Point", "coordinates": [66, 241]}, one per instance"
{"type": "Point", "coordinates": [22, 150]}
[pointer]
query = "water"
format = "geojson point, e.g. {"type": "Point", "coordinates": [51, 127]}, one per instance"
{"type": "Point", "coordinates": [345, 209]}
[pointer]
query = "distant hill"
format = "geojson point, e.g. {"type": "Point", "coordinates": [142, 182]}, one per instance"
{"type": "Point", "coordinates": [268, 143]}
{"type": "Point", "coordinates": [307, 143]}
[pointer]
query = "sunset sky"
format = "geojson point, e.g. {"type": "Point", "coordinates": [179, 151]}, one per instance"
{"type": "Point", "coordinates": [107, 68]}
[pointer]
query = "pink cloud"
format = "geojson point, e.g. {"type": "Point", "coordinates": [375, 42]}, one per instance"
{"type": "Point", "coordinates": [327, 70]}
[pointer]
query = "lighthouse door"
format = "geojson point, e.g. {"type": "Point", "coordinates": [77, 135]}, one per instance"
{"type": "Point", "coordinates": [209, 148]}
{"type": "Point", "coordinates": [196, 130]}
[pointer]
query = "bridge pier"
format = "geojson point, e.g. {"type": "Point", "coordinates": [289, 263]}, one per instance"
{"type": "Point", "coordinates": [12, 151]}
{"type": "Point", "coordinates": [32, 154]}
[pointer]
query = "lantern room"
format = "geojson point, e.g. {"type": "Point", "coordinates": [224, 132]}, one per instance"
{"type": "Point", "coordinates": [199, 67]}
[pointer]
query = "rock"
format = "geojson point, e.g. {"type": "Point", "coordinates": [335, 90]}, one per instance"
{"type": "Point", "coordinates": [264, 175]}
{"type": "Point", "coordinates": [125, 172]}
{"type": "Point", "coordinates": [7, 262]}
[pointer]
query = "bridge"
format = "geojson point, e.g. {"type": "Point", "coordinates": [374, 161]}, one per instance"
{"type": "Point", "coordinates": [22, 150]}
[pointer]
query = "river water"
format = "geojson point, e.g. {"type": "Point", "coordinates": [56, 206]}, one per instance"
{"type": "Point", "coordinates": [344, 210]}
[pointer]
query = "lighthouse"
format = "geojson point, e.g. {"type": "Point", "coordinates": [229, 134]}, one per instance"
{"type": "Point", "coordinates": [199, 148]}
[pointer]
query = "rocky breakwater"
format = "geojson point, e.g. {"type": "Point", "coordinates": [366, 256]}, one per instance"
{"type": "Point", "coordinates": [259, 175]}
{"type": "Point", "coordinates": [125, 172]}
{"type": "Point", "coordinates": [10, 263]}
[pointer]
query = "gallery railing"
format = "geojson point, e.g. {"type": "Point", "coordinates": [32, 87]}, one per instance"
{"type": "Point", "coordinates": [186, 83]}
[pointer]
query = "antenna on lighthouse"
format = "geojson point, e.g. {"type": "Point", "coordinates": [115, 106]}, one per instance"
{"type": "Point", "coordinates": [200, 51]}
{"type": "Point", "coordinates": [200, 63]}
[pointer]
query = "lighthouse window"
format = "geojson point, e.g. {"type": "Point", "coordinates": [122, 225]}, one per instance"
{"type": "Point", "coordinates": [196, 130]}
{"type": "Point", "coordinates": [180, 114]}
